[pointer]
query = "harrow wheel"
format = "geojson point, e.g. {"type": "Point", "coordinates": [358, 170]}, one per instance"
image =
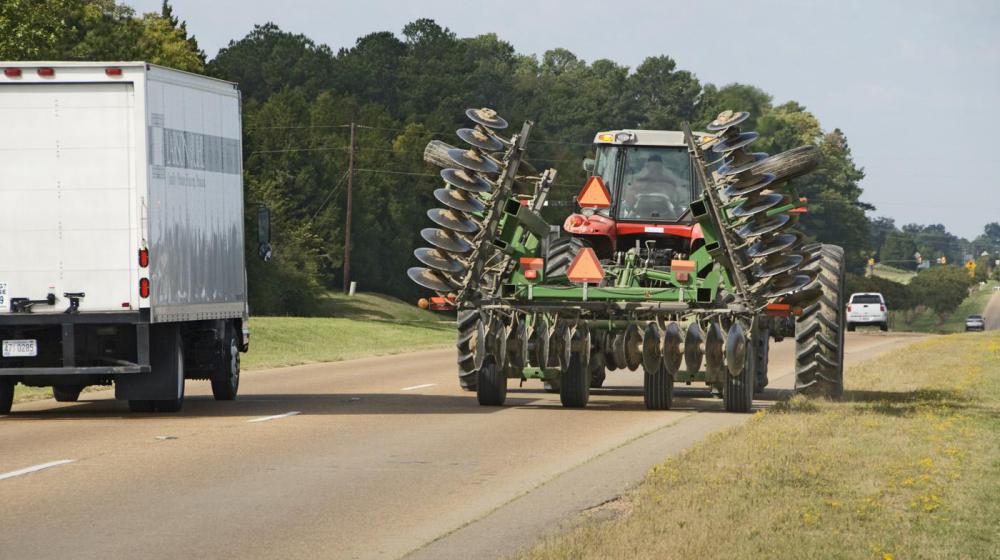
{"type": "Point", "coordinates": [819, 331]}
{"type": "Point", "coordinates": [658, 389]}
{"type": "Point", "coordinates": [574, 384]}
{"type": "Point", "coordinates": [737, 390]}
{"type": "Point", "coordinates": [491, 385]}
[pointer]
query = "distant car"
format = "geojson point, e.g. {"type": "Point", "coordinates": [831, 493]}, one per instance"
{"type": "Point", "coordinates": [975, 323]}
{"type": "Point", "coordinates": [867, 308]}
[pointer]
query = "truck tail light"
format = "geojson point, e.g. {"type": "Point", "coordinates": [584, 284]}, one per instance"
{"type": "Point", "coordinates": [882, 308]}
{"type": "Point", "coordinates": [144, 288]}
{"type": "Point", "coordinates": [12, 72]}
{"type": "Point", "coordinates": [143, 258]}
{"type": "Point", "coordinates": [113, 72]}
{"type": "Point", "coordinates": [46, 72]}
{"type": "Point", "coordinates": [848, 308]}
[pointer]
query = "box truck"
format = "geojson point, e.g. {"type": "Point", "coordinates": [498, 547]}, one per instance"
{"type": "Point", "coordinates": [121, 232]}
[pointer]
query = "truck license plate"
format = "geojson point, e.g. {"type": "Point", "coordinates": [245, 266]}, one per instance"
{"type": "Point", "coordinates": [20, 348]}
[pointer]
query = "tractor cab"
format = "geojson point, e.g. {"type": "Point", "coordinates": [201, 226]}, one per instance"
{"type": "Point", "coordinates": [648, 185]}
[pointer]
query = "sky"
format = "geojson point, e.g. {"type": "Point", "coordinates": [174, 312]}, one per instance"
{"type": "Point", "coordinates": [911, 83]}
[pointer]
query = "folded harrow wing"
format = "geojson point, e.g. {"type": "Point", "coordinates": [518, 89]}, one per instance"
{"type": "Point", "coordinates": [683, 261]}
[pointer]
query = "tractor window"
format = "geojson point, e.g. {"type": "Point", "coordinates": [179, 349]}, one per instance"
{"type": "Point", "coordinates": [605, 168]}
{"type": "Point", "coordinates": [656, 184]}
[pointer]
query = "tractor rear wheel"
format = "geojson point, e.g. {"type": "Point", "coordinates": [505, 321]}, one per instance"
{"type": "Point", "coordinates": [466, 331]}
{"type": "Point", "coordinates": [574, 384]}
{"type": "Point", "coordinates": [491, 385]}
{"type": "Point", "coordinates": [562, 251]}
{"type": "Point", "coordinates": [791, 163]}
{"type": "Point", "coordinates": [819, 331]}
{"type": "Point", "coordinates": [658, 389]}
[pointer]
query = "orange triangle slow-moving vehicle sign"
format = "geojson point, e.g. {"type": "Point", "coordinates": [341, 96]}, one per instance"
{"type": "Point", "coordinates": [594, 194]}
{"type": "Point", "coordinates": [585, 268]}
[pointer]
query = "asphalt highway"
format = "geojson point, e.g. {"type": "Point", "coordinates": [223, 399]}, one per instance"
{"type": "Point", "coordinates": [371, 458]}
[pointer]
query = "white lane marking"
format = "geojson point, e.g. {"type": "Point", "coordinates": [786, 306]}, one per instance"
{"type": "Point", "coordinates": [275, 417]}
{"type": "Point", "coordinates": [35, 468]}
{"type": "Point", "coordinates": [415, 387]}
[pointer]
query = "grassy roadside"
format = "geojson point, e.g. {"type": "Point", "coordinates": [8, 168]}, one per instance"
{"type": "Point", "coordinates": [895, 274]}
{"type": "Point", "coordinates": [908, 466]}
{"type": "Point", "coordinates": [350, 327]}
{"type": "Point", "coordinates": [927, 320]}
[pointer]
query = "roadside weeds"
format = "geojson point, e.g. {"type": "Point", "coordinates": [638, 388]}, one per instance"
{"type": "Point", "coordinates": [907, 466]}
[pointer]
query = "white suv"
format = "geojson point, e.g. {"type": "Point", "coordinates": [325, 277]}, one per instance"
{"type": "Point", "coordinates": [867, 309]}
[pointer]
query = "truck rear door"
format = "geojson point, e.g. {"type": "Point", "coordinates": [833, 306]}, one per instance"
{"type": "Point", "coordinates": [67, 188]}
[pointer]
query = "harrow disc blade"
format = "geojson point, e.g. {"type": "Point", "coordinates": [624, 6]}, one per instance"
{"type": "Point", "coordinates": [753, 184]}
{"type": "Point", "coordinates": [582, 343]}
{"type": "Point", "coordinates": [651, 348]}
{"type": "Point", "coordinates": [439, 260]}
{"type": "Point", "coordinates": [776, 264]}
{"type": "Point", "coordinates": [466, 181]}
{"type": "Point", "coordinates": [540, 334]}
{"type": "Point", "coordinates": [775, 244]}
{"type": "Point", "coordinates": [787, 284]}
{"type": "Point", "coordinates": [733, 168]}
{"type": "Point", "coordinates": [459, 200]}
{"type": "Point", "coordinates": [727, 119]}
{"type": "Point", "coordinates": [430, 279]}
{"type": "Point", "coordinates": [632, 343]}
{"type": "Point", "coordinates": [736, 349]}
{"type": "Point", "coordinates": [671, 348]}
{"type": "Point", "coordinates": [471, 159]}
{"type": "Point", "coordinates": [735, 142]}
{"type": "Point", "coordinates": [496, 337]}
{"type": "Point", "coordinates": [756, 204]}
{"type": "Point", "coordinates": [715, 357]}
{"type": "Point", "coordinates": [517, 343]}
{"type": "Point", "coordinates": [694, 348]}
{"type": "Point", "coordinates": [441, 239]}
{"type": "Point", "coordinates": [455, 221]}
{"type": "Point", "coordinates": [759, 226]}
{"type": "Point", "coordinates": [561, 346]}
{"type": "Point", "coordinates": [486, 117]}
{"type": "Point", "coordinates": [479, 139]}
{"type": "Point", "coordinates": [804, 297]}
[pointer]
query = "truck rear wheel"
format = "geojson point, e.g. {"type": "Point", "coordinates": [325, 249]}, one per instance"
{"type": "Point", "coordinates": [574, 384]}
{"type": "Point", "coordinates": [491, 385]}
{"type": "Point", "coordinates": [66, 393]}
{"type": "Point", "coordinates": [6, 394]}
{"type": "Point", "coordinates": [172, 360]}
{"type": "Point", "coordinates": [658, 389]}
{"type": "Point", "coordinates": [819, 332]}
{"type": "Point", "coordinates": [227, 383]}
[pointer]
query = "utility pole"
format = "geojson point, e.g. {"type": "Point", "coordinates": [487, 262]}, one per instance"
{"type": "Point", "coordinates": [347, 227]}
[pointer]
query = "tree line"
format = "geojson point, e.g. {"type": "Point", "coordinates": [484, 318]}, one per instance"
{"type": "Point", "coordinates": [400, 91]}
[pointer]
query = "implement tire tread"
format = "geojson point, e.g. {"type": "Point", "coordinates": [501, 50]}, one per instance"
{"type": "Point", "coordinates": [819, 331]}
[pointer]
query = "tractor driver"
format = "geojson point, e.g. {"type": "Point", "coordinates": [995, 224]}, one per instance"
{"type": "Point", "coordinates": [655, 192]}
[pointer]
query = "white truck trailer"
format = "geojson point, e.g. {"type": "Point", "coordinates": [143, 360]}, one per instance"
{"type": "Point", "coordinates": [121, 231]}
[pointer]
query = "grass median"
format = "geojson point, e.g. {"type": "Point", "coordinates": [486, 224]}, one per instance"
{"type": "Point", "coordinates": [351, 327]}
{"type": "Point", "coordinates": [906, 466]}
